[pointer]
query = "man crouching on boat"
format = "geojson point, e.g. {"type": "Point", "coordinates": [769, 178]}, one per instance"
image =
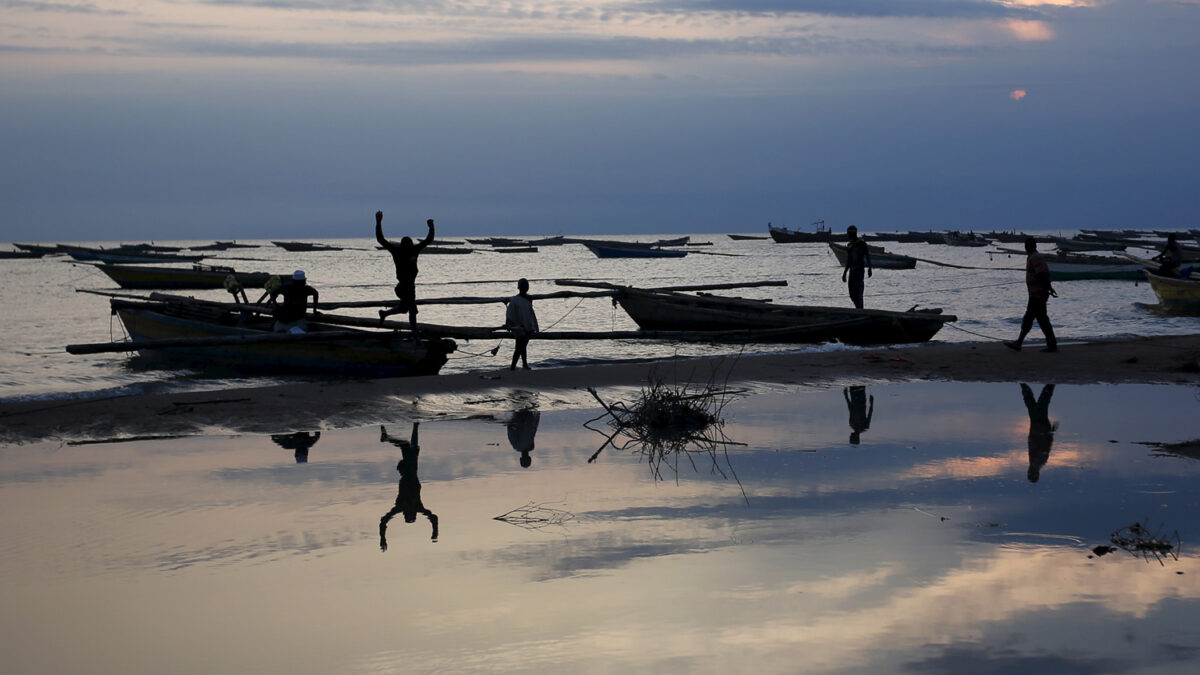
{"type": "Point", "coordinates": [291, 315]}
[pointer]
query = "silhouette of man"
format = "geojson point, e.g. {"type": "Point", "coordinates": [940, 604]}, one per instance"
{"type": "Point", "coordinates": [299, 441]}
{"type": "Point", "coordinates": [522, 321]}
{"type": "Point", "coordinates": [858, 260]}
{"type": "Point", "coordinates": [860, 415]}
{"type": "Point", "coordinates": [1170, 258]}
{"type": "Point", "coordinates": [408, 494]}
{"type": "Point", "coordinates": [404, 255]}
{"type": "Point", "coordinates": [521, 430]}
{"type": "Point", "coordinates": [1037, 282]}
{"type": "Point", "coordinates": [1041, 429]}
{"type": "Point", "coordinates": [291, 314]}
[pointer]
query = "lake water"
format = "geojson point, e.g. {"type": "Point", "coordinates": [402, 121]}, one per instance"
{"type": "Point", "coordinates": [45, 312]}
{"type": "Point", "coordinates": [923, 547]}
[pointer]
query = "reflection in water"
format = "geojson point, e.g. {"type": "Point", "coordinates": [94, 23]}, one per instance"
{"type": "Point", "coordinates": [860, 414]}
{"type": "Point", "coordinates": [521, 430]}
{"type": "Point", "coordinates": [1041, 429]}
{"type": "Point", "coordinates": [299, 441]}
{"type": "Point", "coordinates": [408, 494]}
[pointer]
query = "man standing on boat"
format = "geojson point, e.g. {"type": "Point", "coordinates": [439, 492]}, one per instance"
{"type": "Point", "coordinates": [291, 315]}
{"type": "Point", "coordinates": [858, 259]}
{"type": "Point", "coordinates": [521, 320]}
{"type": "Point", "coordinates": [1170, 258]}
{"type": "Point", "coordinates": [404, 255]}
{"type": "Point", "coordinates": [1037, 281]}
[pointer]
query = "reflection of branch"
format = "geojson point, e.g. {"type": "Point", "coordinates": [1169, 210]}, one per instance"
{"type": "Point", "coordinates": [666, 423]}
{"type": "Point", "coordinates": [1137, 539]}
{"type": "Point", "coordinates": [535, 516]}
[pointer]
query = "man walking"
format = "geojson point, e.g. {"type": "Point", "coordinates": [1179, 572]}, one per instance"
{"type": "Point", "coordinates": [1037, 281]}
{"type": "Point", "coordinates": [858, 259]}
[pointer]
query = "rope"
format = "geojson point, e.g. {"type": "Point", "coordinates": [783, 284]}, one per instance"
{"type": "Point", "coordinates": [990, 337]}
{"type": "Point", "coordinates": [564, 315]}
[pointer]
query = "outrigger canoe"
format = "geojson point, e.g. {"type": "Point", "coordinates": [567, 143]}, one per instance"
{"type": "Point", "coordinates": [208, 336]}
{"type": "Point", "coordinates": [675, 311]}
{"type": "Point", "coordinates": [178, 278]}
{"type": "Point", "coordinates": [879, 257]}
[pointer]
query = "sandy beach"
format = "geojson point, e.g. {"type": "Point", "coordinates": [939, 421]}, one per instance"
{"type": "Point", "coordinates": [1157, 360]}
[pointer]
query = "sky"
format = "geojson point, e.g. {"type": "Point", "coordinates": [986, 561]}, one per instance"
{"type": "Point", "coordinates": [195, 120]}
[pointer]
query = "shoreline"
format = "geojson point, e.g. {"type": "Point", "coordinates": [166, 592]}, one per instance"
{"type": "Point", "coordinates": [343, 404]}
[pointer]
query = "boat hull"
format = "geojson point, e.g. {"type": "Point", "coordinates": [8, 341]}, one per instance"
{"type": "Point", "coordinates": [374, 354]}
{"type": "Point", "coordinates": [1076, 271]}
{"type": "Point", "coordinates": [879, 258]}
{"type": "Point", "coordinates": [622, 252]}
{"type": "Point", "coordinates": [667, 311]}
{"type": "Point", "coordinates": [1181, 296]}
{"type": "Point", "coordinates": [178, 278]}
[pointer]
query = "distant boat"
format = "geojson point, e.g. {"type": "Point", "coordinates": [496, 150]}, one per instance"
{"type": "Point", "coordinates": [195, 277]}
{"type": "Point", "coordinates": [879, 257]}
{"type": "Point", "coordinates": [783, 235]}
{"type": "Point", "coordinates": [745, 237]}
{"type": "Point", "coordinates": [515, 249]}
{"type": "Point", "coordinates": [305, 246]}
{"type": "Point", "coordinates": [126, 256]}
{"type": "Point", "coordinates": [21, 254]}
{"type": "Point", "coordinates": [957, 238]}
{"type": "Point", "coordinates": [40, 248]}
{"type": "Point", "coordinates": [611, 251]}
{"type": "Point", "coordinates": [1077, 245]}
{"type": "Point", "coordinates": [677, 241]}
{"type": "Point", "coordinates": [442, 250]}
{"type": "Point", "coordinates": [221, 246]}
{"type": "Point", "coordinates": [675, 311]}
{"type": "Point", "coordinates": [1177, 296]}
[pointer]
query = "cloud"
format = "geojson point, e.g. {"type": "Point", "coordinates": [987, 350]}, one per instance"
{"type": "Point", "coordinates": [58, 7]}
{"type": "Point", "coordinates": [1017, 94]}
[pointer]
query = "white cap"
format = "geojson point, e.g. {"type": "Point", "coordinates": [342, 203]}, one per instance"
{"type": "Point", "coordinates": [298, 275]}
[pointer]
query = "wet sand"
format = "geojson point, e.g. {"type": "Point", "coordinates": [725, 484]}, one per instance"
{"type": "Point", "coordinates": [1157, 360]}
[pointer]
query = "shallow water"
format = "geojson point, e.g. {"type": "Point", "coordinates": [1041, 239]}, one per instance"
{"type": "Point", "coordinates": [923, 547]}
{"type": "Point", "coordinates": [45, 313]}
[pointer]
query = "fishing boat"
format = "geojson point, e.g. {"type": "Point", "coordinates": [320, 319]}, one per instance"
{"type": "Point", "coordinates": [195, 277]}
{"type": "Point", "coordinates": [21, 254]}
{"type": "Point", "coordinates": [783, 235]}
{"type": "Point", "coordinates": [676, 311]}
{"type": "Point", "coordinates": [1176, 296]}
{"type": "Point", "coordinates": [957, 238]}
{"type": "Point", "coordinates": [1077, 267]}
{"type": "Point", "coordinates": [40, 248]}
{"type": "Point", "coordinates": [879, 257]}
{"type": "Point", "coordinates": [515, 249]}
{"type": "Point", "coordinates": [616, 251]}
{"type": "Point", "coordinates": [1076, 245]}
{"type": "Point", "coordinates": [126, 255]}
{"type": "Point", "coordinates": [209, 335]}
{"type": "Point", "coordinates": [299, 246]}
{"type": "Point", "coordinates": [221, 246]}
{"type": "Point", "coordinates": [747, 237]}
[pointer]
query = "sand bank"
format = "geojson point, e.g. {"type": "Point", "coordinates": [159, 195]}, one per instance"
{"type": "Point", "coordinates": [1171, 359]}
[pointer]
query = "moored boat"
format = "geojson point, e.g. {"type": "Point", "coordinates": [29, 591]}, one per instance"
{"type": "Point", "coordinates": [299, 246]}
{"type": "Point", "coordinates": [958, 238]}
{"type": "Point", "coordinates": [1180, 296]}
{"type": "Point", "coordinates": [210, 336]}
{"type": "Point", "coordinates": [879, 257]}
{"type": "Point", "coordinates": [783, 235]}
{"type": "Point", "coordinates": [126, 255]}
{"type": "Point", "coordinates": [610, 251]}
{"type": "Point", "coordinates": [1076, 267]}
{"type": "Point", "coordinates": [194, 277]}
{"type": "Point", "coordinates": [671, 310]}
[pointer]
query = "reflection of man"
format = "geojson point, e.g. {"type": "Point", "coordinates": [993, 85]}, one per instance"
{"type": "Point", "coordinates": [299, 441]}
{"type": "Point", "coordinates": [521, 430]}
{"type": "Point", "coordinates": [860, 415]}
{"type": "Point", "coordinates": [1041, 430]}
{"type": "Point", "coordinates": [408, 494]}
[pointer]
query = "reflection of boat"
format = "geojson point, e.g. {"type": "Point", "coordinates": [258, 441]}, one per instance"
{"type": "Point", "coordinates": [879, 257]}
{"type": "Point", "coordinates": [783, 235]}
{"type": "Point", "coordinates": [675, 311]}
{"type": "Point", "coordinates": [617, 251]}
{"type": "Point", "coordinates": [305, 246]}
{"type": "Point", "coordinates": [1176, 295]}
{"type": "Point", "coordinates": [196, 276]}
{"type": "Point", "coordinates": [208, 334]}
